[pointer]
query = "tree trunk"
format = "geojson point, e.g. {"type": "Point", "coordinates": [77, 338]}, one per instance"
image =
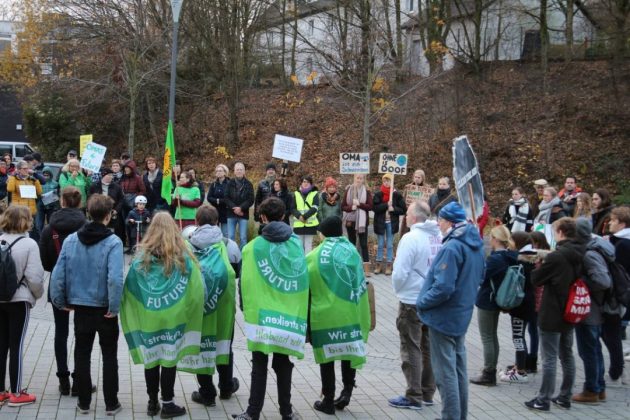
{"type": "Point", "coordinates": [294, 41]}
{"type": "Point", "coordinates": [367, 112]}
{"type": "Point", "coordinates": [133, 98]}
{"type": "Point", "coordinates": [400, 54]}
{"type": "Point", "coordinates": [283, 34]}
{"type": "Point", "coordinates": [544, 42]}
{"type": "Point", "coordinates": [568, 32]}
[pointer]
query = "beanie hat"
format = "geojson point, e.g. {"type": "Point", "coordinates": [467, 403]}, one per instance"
{"type": "Point", "coordinates": [452, 212]}
{"type": "Point", "coordinates": [388, 176]}
{"type": "Point", "coordinates": [584, 228]}
{"type": "Point", "coordinates": [331, 227]}
{"type": "Point", "coordinates": [541, 182]}
{"type": "Point", "coordinates": [270, 165]}
{"type": "Point", "coordinates": [330, 182]}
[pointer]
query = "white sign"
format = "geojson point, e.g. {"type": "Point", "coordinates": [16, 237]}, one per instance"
{"type": "Point", "coordinates": [392, 163]}
{"type": "Point", "coordinates": [93, 157]}
{"type": "Point", "coordinates": [28, 191]}
{"type": "Point", "coordinates": [50, 197]}
{"type": "Point", "coordinates": [287, 148]}
{"type": "Point", "coordinates": [354, 163]}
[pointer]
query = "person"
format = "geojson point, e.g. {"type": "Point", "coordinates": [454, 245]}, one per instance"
{"type": "Point", "coordinates": [387, 204]}
{"type": "Point", "coordinates": [338, 302]}
{"type": "Point", "coordinates": [17, 186]}
{"type": "Point", "coordinates": [597, 277]}
{"type": "Point", "coordinates": [88, 279]}
{"type": "Point", "coordinates": [116, 168]}
{"type": "Point", "coordinates": [281, 190]}
{"type": "Point", "coordinates": [484, 217]}
{"type": "Point", "coordinates": [64, 222]}
{"type": "Point", "coordinates": [416, 251]}
{"type": "Point", "coordinates": [219, 259]}
{"type": "Point", "coordinates": [304, 209]}
{"type": "Point", "coordinates": [239, 197]}
{"type": "Point", "coordinates": [445, 304]}
{"type": "Point", "coordinates": [14, 312]}
{"type": "Point", "coordinates": [273, 256]}
{"type": "Point", "coordinates": [49, 202]}
{"type": "Point", "coordinates": [36, 167]}
{"type": "Point", "coordinates": [557, 273]}
{"type": "Point", "coordinates": [602, 206]}
{"type": "Point", "coordinates": [497, 263]}
{"type": "Point", "coordinates": [112, 189]}
{"type": "Point", "coordinates": [442, 196]}
{"type": "Point", "coordinates": [72, 154]}
{"type": "Point", "coordinates": [329, 201]}
{"type": "Point", "coordinates": [551, 208]}
{"type": "Point", "coordinates": [356, 207]}
{"type": "Point", "coordinates": [8, 159]}
{"type": "Point", "coordinates": [137, 222]}
{"type": "Point", "coordinates": [125, 157]}
{"type": "Point", "coordinates": [197, 182]}
{"type": "Point", "coordinates": [542, 248]}
{"type": "Point", "coordinates": [518, 215]}
{"type": "Point", "coordinates": [163, 267]}
{"type": "Point", "coordinates": [568, 195]}
{"type": "Point", "coordinates": [583, 206]}
{"type": "Point", "coordinates": [4, 178]}
{"type": "Point", "coordinates": [152, 179]}
{"type": "Point", "coordinates": [536, 198]}
{"type": "Point", "coordinates": [417, 189]}
{"type": "Point", "coordinates": [264, 188]}
{"type": "Point", "coordinates": [186, 200]}
{"type": "Point", "coordinates": [132, 186]}
{"type": "Point", "coordinates": [217, 193]}
{"type": "Point", "coordinates": [71, 175]}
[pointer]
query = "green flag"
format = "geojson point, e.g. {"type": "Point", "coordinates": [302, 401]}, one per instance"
{"type": "Point", "coordinates": [169, 162]}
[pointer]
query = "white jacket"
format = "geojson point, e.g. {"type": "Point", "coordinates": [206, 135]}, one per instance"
{"type": "Point", "coordinates": [25, 254]}
{"type": "Point", "coordinates": [416, 251]}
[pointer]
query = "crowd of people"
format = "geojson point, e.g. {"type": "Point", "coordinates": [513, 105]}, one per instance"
{"type": "Point", "coordinates": [304, 278]}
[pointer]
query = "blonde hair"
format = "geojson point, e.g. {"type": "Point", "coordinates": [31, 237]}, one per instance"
{"type": "Point", "coordinates": [502, 234]}
{"type": "Point", "coordinates": [164, 241]}
{"type": "Point", "coordinates": [66, 167]}
{"type": "Point", "coordinates": [16, 219]}
{"type": "Point", "coordinates": [584, 199]}
{"type": "Point", "coordinates": [225, 169]}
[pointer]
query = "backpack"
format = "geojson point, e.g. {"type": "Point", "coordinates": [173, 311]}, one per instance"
{"type": "Point", "coordinates": [8, 273]}
{"type": "Point", "coordinates": [512, 290]}
{"type": "Point", "coordinates": [578, 304]}
{"type": "Point", "coordinates": [620, 283]}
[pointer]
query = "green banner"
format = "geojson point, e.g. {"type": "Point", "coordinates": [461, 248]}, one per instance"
{"type": "Point", "coordinates": [162, 317]}
{"type": "Point", "coordinates": [340, 311]}
{"type": "Point", "coordinates": [168, 164]}
{"type": "Point", "coordinates": [274, 284]}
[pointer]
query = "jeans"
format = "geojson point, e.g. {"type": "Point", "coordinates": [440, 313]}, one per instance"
{"type": "Point", "coordinates": [307, 243]}
{"type": "Point", "coordinates": [611, 334]}
{"type": "Point", "coordinates": [415, 355]}
{"type": "Point", "coordinates": [554, 345]}
{"type": "Point", "coordinates": [87, 322]}
{"type": "Point", "coordinates": [518, 338]}
{"type": "Point", "coordinates": [448, 358]}
{"type": "Point", "coordinates": [283, 368]}
{"type": "Point", "coordinates": [160, 376]}
{"type": "Point", "coordinates": [590, 351]}
{"type": "Point", "coordinates": [224, 229]}
{"type": "Point", "coordinates": [327, 371]}
{"type": "Point", "coordinates": [381, 245]}
{"type": "Point", "coordinates": [62, 323]}
{"type": "Point", "coordinates": [13, 324]}
{"type": "Point", "coordinates": [488, 324]}
{"type": "Point", "coordinates": [363, 241]}
{"type": "Point", "coordinates": [242, 229]}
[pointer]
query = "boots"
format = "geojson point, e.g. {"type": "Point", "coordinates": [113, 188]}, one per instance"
{"type": "Point", "coordinates": [378, 267]}
{"type": "Point", "coordinates": [326, 406]}
{"type": "Point", "coordinates": [64, 385]}
{"type": "Point", "coordinates": [388, 269]}
{"type": "Point", "coordinates": [531, 363]}
{"type": "Point", "coordinates": [366, 269]}
{"type": "Point", "coordinates": [487, 378]}
{"type": "Point", "coordinates": [586, 397]}
{"type": "Point", "coordinates": [344, 398]}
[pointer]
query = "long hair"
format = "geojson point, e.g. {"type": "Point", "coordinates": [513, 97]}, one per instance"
{"type": "Point", "coordinates": [583, 205]}
{"type": "Point", "coordinates": [164, 241]}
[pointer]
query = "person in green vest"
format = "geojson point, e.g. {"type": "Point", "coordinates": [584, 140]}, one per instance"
{"type": "Point", "coordinates": [162, 310]}
{"type": "Point", "coordinates": [274, 288]}
{"type": "Point", "coordinates": [186, 199]}
{"type": "Point", "coordinates": [306, 204]}
{"type": "Point", "coordinates": [71, 175]}
{"type": "Point", "coordinates": [339, 312]}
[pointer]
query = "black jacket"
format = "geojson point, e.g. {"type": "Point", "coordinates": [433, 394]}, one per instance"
{"type": "Point", "coordinates": [114, 191]}
{"type": "Point", "coordinates": [216, 196]}
{"type": "Point", "coordinates": [264, 190]}
{"type": "Point", "coordinates": [380, 208]}
{"type": "Point", "coordinates": [154, 191]}
{"type": "Point", "coordinates": [240, 193]}
{"type": "Point", "coordinates": [439, 199]}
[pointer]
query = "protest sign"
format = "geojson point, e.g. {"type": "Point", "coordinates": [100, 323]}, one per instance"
{"type": "Point", "coordinates": [83, 141]}
{"type": "Point", "coordinates": [467, 178]}
{"type": "Point", "coordinates": [93, 156]}
{"type": "Point", "coordinates": [392, 163]}
{"type": "Point", "coordinates": [28, 191]}
{"type": "Point", "coordinates": [417, 192]}
{"type": "Point", "coordinates": [287, 148]}
{"type": "Point", "coordinates": [354, 163]}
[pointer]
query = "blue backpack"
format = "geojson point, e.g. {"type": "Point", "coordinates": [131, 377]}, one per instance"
{"type": "Point", "coordinates": [512, 289]}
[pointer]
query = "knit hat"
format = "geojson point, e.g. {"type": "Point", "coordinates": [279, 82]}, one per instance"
{"type": "Point", "coordinates": [584, 228]}
{"type": "Point", "coordinates": [331, 227]}
{"type": "Point", "coordinates": [542, 182]}
{"type": "Point", "coordinates": [452, 212]}
{"type": "Point", "coordinates": [330, 182]}
{"type": "Point", "coordinates": [388, 176]}
{"type": "Point", "coordinates": [270, 165]}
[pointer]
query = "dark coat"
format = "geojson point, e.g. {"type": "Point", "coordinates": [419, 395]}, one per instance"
{"type": "Point", "coordinates": [114, 191]}
{"type": "Point", "coordinates": [65, 222]}
{"type": "Point", "coordinates": [216, 196]}
{"type": "Point", "coordinates": [600, 221]}
{"type": "Point", "coordinates": [240, 193]}
{"type": "Point", "coordinates": [263, 191]}
{"type": "Point", "coordinates": [622, 251]}
{"type": "Point", "coordinates": [132, 184]}
{"type": "Point", "coordinates": [440, 199]}
{"type": "Point", "coordinates": [287, 199]}
{"type": "Point", "coordinates": [497, 264]}
{"type": "Point", "coordinates": [557, 212]}
{"type": "Point", "coordinates": [380, 209]}
{"type": "Point", "coordinates": [154, 191]}
{"type": "Point", "coordinates": [527, 309]}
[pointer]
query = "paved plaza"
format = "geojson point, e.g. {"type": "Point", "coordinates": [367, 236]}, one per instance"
{"type": "Point", "coordinates": [379, 380]}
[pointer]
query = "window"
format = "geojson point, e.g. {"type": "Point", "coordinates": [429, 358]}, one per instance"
{"type": "Point", "coordinates": [410, 5]}
{"type": "Point", "coordinates": [22, 150]}
{"type": "Point", "coordinates": [311, 27]}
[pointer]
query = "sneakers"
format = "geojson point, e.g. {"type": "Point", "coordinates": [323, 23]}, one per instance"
{"type": "Point", "coordinates": [18, 400]}
{"type": "Point", "coordinates": [617, 383]}
{"type": "Point", "coordinates": [170, 410]}
{"type": "Point", "coordinates": [200, 399]}
{"type": "Point", "coordinates": [112, 411]}
{"type": "Point", "coordinates": [513, 376]}
{"type": "Point", "coordinates": [4, 397]}
{"type": "Point", "coordinates": [226, 395]}
{"type": "Point", "coordinates": [537, 404]}
{"type": "Point", "coordinates": [243, 416]}
{"type": "Point", "coordinates": [428, 403]}
{"type": "Point", "coordinates": [83, 409]}
{"type": "Point", "coordinates": [586, 397]}
{"type": "Point", "coordinates": [403, 402]}
{"type": "Point", "coordinates": [561, 403]}
{"type": "Point", "coordinates": [153, 408]}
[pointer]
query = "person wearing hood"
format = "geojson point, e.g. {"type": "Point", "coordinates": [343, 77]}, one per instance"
{"type": "Point", "coordinates": [387, 204]}
{"type": "Point", "coordinates": [88, 279]}
{"type": "Point", "coordinates": [71, 175]}
{"type": "Point", "coordinates": [442, 196]}
{"type": "Point", "coordinates": [446, 302]}
{"type": "Point", "coordinates": [275, 287]}
{"type": "Point", "coordinates": [265, 188]}
{"type": "Point", "coordinates": [50, 194]}
{"type": "Point", "coordinates": [602, 206]}
{"type": "Point", "coordinates": [558, 272]}
{"type": "Point", "coordinates": [305, 208]}
{"type": "Point", "coordinates": [186, 199]}
{"type": "Point", "coordinates": [416, 250]}
{"type": "Point", "coordinates": [64, 222]}
{"type": "Point", "coordinates": [112, 189]}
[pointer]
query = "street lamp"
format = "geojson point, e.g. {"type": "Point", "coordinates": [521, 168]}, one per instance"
{"type": "Point", "coordinates": [176, 7]}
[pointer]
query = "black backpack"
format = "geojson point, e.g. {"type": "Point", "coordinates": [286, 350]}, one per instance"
{"type": "Point", "coordinates": [620, 283]}
{"type": "Point", "coordinates": [8, 275]}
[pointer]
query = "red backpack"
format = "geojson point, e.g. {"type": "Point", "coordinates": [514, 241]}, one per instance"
{"type": "Point", "coordinates": [578, 304]}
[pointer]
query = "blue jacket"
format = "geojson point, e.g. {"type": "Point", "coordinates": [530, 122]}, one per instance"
{"type": "Point", "coordinates": [496, 267]}
{"type": "Point", "coordinates": [89, 271]}
{"type": "Point", "coordinates": [446, 300]}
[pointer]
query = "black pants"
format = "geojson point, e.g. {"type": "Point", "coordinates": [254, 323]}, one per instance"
{"type": "Point", "coordinates": [13, 324]}
{"type": "Point", "coordinates": [206, 386]}
{"type": "Point", "coordinates": [327, 371]}
{"type": "Point", "coordinates": [62, 323]}
{"type": "Point", "coordinates": [519, 326]}
{"type": "Point", "coordinates": [164, 379]}
{"type": "Point", "coordinates": [363, 241]}
{"type": "Point", "coordinates": [87, 322]}
{"type": "Point", "coordinates": [283, 368]}
{"type": "Point", "coordinates": [611, 334]}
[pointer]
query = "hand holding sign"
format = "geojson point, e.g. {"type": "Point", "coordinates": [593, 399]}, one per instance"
{"type": "Point", "coordinates": [93, 157]}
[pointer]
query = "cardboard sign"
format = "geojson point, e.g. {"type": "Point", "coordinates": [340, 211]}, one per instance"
{"type": "Point", "coordinates": [417, 192]}
{"type": "Point", "coordinates": [287, 148]}
{"type": "Point", "coordinates": [467, 178]}
{"type": "Point", "coordinates": [93, 156]}
{"type": "Point", "coordinates": [28, 191]}
{"type": "Point", "coordinates": [83, 141]}
{"type": "Point", "coordinates": [392, 163]}
{"type": "Point", "coordinates": [354, 163]}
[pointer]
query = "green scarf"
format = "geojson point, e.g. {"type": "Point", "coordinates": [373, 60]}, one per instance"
{"type": "Point", "coordinates": [162, 317]}
{"type": "Point", "coordinates": [274, 284]}
{"type": "Point", "coordinates": [340, 311]}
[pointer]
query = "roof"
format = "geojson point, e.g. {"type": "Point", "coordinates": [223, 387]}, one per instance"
{"type": "Point", "coordinates": [273, 16]}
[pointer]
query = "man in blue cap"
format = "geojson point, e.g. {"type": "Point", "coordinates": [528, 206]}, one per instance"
{"type": "Point", "coordinates": [445, 304]}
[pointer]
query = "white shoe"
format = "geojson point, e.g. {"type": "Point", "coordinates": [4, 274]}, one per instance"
{"type": "Point", "coordinates": [627, 358]}
{"type": "Point", "coordinates": [513, 376]}
{"type": "Point", "coordinates": [617, 383]}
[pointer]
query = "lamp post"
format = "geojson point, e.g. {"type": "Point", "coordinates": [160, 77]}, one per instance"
{"type": "Point", "coordinates": [176, 7]}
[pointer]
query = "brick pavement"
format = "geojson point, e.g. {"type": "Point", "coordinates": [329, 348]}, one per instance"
{"type": "Point", "coordinates": [379, 380]}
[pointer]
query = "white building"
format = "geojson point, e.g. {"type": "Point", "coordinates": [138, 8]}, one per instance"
{"type": "Point", "coordinates": [8, 32]}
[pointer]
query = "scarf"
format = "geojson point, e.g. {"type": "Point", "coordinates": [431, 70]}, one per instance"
{"type": "Point", "coordinates": [386, 191]}
{"type": "Point", "coordinates": [331, 199]}
{"type": "Point", "coordinates": [152, 175]}
{"type": "Point", "coordinates": [518, 216]}
{"type": "Point", "coordinates": [305, 191]}
{"type": "Point", "coordinates": [358, 216]}
{"type": "Point", "coordinates": [545, 210]}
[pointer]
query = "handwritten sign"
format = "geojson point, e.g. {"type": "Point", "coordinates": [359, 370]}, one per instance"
{"type": "Point", "coordinates": [287, 148]}
{"type": "Point", "coordinates": [354, 163]}
{"type": "Point", "coordinates": [392, 163]}
{"type": "Point", "coordinates": [93, 156]}
{"type": "Point", "coordinates": [28, 191]}
{"type": "Point", "coordinates": [417, 192]}
{"type": "Point", "coordinates": [83, 141]}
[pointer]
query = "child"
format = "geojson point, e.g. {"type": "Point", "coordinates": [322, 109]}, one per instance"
{"type": "Point", "coordinates": [136, 219]}
{"type": "Point", "coordinates": [49, 202]}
